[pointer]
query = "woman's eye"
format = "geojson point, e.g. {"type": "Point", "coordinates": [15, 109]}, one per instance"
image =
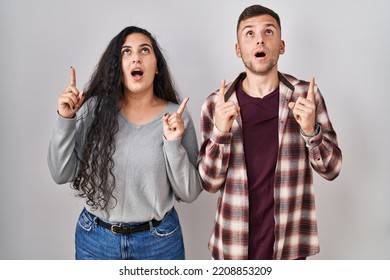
{"type": "Point", "coordinates": [145, 50]}
{"type": "Point", "coordinates": [125, 51]}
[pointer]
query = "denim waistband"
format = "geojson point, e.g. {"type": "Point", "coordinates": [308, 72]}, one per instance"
{"type": "Point", "coordinates": [125, 228]}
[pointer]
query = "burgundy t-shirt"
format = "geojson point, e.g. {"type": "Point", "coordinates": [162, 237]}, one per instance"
{"type": "Point", "coordinates": [260, 131]}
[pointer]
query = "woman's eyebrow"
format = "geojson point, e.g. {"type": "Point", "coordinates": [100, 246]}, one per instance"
{"type": "Point", "coordinates": [142, 45]}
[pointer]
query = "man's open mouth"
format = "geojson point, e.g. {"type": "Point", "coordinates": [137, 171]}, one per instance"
{"type": "Point", "coordinates": [260, 54]}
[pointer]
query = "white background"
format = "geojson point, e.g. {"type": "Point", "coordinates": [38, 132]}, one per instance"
{"type": "Point", "coordinates": [345, 44]}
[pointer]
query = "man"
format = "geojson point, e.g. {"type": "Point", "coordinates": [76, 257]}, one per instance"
{"type": "Point", "coordinates": [260, 141]}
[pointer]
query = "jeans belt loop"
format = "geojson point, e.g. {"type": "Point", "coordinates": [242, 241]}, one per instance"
{"type": "Point", "coordinates": [151, 226]}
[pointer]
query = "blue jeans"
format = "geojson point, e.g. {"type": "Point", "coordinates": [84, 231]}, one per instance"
{"type": "Point", "coordinates": [164, 242]}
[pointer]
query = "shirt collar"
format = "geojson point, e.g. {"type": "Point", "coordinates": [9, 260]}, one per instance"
{"type": "Point", "coordinates": [242, 75]}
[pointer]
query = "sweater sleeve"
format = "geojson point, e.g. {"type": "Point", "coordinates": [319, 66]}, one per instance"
{"type": "Point", "coordinates": [66, 146]}
{"type": "Point", "coordinates": [180, 158]}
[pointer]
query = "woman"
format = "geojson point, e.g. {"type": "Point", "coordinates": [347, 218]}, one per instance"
{"type": "Point", "coordinates": [126, 153]}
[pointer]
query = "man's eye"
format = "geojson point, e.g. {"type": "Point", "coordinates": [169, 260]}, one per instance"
{"type": "Point", "coordinates": [249, 34]}
{"type": "Point", "coordinates": [269, 32]}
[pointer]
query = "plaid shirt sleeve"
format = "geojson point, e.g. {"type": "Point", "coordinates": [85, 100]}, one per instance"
{"type": "Point", "coordinates": [324, 154]}
{"type": "Point", "coordinates": [214, 153]}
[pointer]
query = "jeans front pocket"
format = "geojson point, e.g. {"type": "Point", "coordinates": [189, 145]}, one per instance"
{"type": "Point", "coordinates": [85, 221]}
{"type": "Point", "coordinates": [169, 225]}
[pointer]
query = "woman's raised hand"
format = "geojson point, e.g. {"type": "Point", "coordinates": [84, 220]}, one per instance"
{"type": "Point", "coordinates": [71, 99]}
{"type": "Point", "coordinates": [173, 124]}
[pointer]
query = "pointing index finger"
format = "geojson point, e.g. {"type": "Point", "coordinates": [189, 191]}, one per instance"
{"type": "Point", "coordinates": [182, 106]}
{"type": "Point", "coordinates": [72, 77]}
{"type": "Point", "coordinates": [221, 93]}
{"type": "Point", "coordinates": [310, 93]}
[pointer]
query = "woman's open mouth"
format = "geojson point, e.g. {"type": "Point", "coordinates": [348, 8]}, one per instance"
{"type": "Point", "coordinates": [137, 73]}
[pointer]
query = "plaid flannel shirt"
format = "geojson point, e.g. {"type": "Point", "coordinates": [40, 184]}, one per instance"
{"type": "Point", "coordinates": [222, 168]}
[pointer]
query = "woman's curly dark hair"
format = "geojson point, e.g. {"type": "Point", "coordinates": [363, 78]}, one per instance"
{"type": "Point", "coordinates": [95, 180]}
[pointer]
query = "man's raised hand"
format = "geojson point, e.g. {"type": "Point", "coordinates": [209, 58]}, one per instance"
{"type": "Point", "coordinates": [225, 112]}
{"type": "Point", "coordinates": [304, 110]}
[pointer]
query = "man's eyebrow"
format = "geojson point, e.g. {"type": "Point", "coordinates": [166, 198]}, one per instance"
{"type": "Point", "coordinates": [266, 25]}
{"type": "Point", "coordinates": [247, 26]}
{"type": "Point", "coordinates": [270, 25]}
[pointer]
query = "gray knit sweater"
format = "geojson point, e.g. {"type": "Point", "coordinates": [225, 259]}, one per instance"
{"type": "Point", "coordinates": [151, 172]}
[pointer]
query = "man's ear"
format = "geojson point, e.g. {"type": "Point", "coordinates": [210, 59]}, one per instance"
{"type": "Point", "coordinates": [282, 47]}
{"type": "Point", "coordinates": [238, 51]}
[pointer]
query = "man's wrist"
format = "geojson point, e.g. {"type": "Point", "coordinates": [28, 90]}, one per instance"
{"type": "Point", "coordinates": [316, 131]}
